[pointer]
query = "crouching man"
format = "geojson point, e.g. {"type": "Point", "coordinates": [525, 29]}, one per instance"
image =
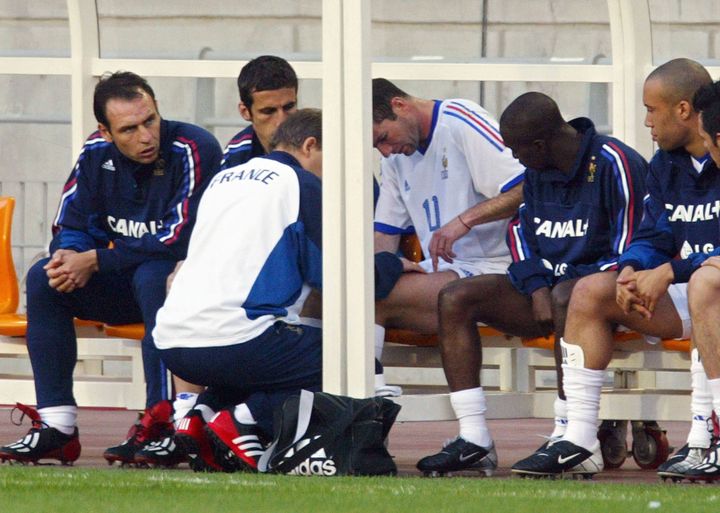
{"type": "Point", "coordinates": [231, 320]}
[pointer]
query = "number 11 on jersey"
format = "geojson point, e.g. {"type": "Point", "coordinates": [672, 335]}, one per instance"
{"type": "Point", "coordinates": [430, 212]}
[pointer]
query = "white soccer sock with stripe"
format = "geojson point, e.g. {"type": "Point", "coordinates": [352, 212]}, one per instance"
{"type": "Point", "coordinates": [560, 408]}
{"type": "Point", "coordinates": [582, 389]}
{"type": "Point", "coordinates": [700, 404]}
{"type": "Point", "coordinates": [243, 415]}
{"type": "Point", "coordinates": [470, 407]}
{"type": "Point", "coordinates": [183, 403]}
{"type": "Point", "coordinates": [63, 418]}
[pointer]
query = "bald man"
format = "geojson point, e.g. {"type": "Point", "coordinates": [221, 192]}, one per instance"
{"type": "Point", "coordinates": [582, 202]}
{"type": "Point", "coordinates": [649, 294]}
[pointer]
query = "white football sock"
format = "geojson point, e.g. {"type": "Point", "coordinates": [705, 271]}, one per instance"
{"type": "Point", "coordinates": [243, 415]}
{"type": "Point", "coordinates": [382, 389]}
{"type": "Point", "coordinates": [379, 341]}
{"type": "Point", "coordinates": [379, 381]}
{"type": "Point", "coordinates": [207, 412]}
{"type": "Point", "coordinates": [183, 403]}
{"type": "Point", "coordinates": [560, 408]}
{"type": "Point", "coordinates": [700, 404]}
{"type": "Point", "coordinates": [582, 389]}
{"type": "Point", "coordinates": [63, 418]}
{"type": "Point", "coordinates": [470, 406]}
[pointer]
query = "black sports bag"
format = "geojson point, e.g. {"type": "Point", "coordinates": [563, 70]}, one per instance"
{"type": "Point", "coordinates": [330, 435]}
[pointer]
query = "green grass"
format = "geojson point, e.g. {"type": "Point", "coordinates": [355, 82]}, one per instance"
{"type": "Point", "coordinates": [59, 490]}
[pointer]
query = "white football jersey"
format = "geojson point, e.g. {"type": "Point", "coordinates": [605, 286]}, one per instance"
{"type": "Point", "coordinates": [465, 163]}
{"type": "Point", "coordinates": [254, 252]}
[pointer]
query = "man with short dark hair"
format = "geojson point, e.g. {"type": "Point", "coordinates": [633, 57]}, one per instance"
{"type": "Point", "coordinates": [649, 294]}
{"type": "Point", "coordinates": [268, 89]}
{"type": "Point", "coordinates": [232, 321]}
{"type": "Point", "coordinates": [448, 177]}
{"type": "Point", "coordinates": [583, 197]}
{"type": "Point", "coordinates": [136, 184]}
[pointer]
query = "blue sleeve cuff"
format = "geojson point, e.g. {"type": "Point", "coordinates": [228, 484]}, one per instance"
{"type": "Point", "coordinates": [526, 277]}
{"type": "Point", "coordinates": [682, 269]}
{"type": "Point", "coordinates": [72, 239]}
{"type": "Point", "coordinates": [388, 269]}
{"type": "Point", "coordinates": [534, 284]}
{"type": "Point", "coordinates": [512, 183]}
{"type": "Point", "coordinates": [393, 230]}
{"type": "Point", "coordinates": [106, 260]}
{"type": "Point", "coordinates": [635, 264]}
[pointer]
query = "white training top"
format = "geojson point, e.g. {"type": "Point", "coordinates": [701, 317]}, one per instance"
{"type": "Point", "coordinates": [253, 255]}
{"type": "Point", "coordinates": [465, 163]}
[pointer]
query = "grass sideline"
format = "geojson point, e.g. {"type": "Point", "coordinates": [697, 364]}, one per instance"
{"type": "Point", "coordinates": [60, 490]}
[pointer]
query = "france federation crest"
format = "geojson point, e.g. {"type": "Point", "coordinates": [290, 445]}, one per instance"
{"type": "Point", "coordinates": [444, 172]}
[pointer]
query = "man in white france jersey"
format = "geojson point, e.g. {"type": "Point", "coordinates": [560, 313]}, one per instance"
{"type": "Point", "coordinates": [448, 177]}
{"type": "Point", "coordinates": [231, 321]}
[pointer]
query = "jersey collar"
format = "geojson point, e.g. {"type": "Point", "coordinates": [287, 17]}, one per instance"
{"type": "Point", "coordinates": [257, 149]}
{"type": "Point", "coordinates": [702, 161]}
{"type": "Point", "coordinates": [585, 127]}
{"type": "Point", "coordinates": [424, 145]}
{"type": "Point", "coordinates": [684, 160]}
{"type": "Point", "coordinates": [284, 158]}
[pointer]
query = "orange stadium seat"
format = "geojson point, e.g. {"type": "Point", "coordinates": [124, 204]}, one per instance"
{"type": "Point", "coordinates": [131, 331]}
{"type": "Point", "coordinates": [411, 338]}
{"type": "Point", "coordinates": [682, 345]}
{"type": "Point", "coordinates": [13, 324]}
{"type": "Point", "coordinates": [549, 341]}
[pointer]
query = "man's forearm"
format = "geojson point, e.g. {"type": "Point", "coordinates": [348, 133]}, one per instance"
{"type": "Point", "coordinates": [501, 206]}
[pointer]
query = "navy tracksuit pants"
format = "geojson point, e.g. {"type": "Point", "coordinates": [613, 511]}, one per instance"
{"type": "Point", "coordinates": [113, 298]}
{"type": "Point", "coordinates": [261, 372]}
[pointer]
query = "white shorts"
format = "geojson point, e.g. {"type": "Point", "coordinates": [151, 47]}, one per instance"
{"type": "Point", "coordinates": [678, 294]}
{"type": "Point", "coordinates": [466, 269]}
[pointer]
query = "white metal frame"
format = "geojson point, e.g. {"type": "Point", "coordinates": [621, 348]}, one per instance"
{"type": "Point", "coordinates": [91, 385]}
{"type": "Point", "coordinates": [346, 71]}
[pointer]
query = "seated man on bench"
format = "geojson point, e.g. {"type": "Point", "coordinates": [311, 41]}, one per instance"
{"type": "Point", "coordinates": [704, 292]}
{"type": "Point", "coordinates": [447, 176]}
{"type": "Point", "coordinates": [650, 292]}
{"type": "Point", "coordinates": [137, 184]}
{"type": "Point", "coordinates": [583, 201]}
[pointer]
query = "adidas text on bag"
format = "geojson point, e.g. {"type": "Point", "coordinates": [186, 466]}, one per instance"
{"type": "Point", "coordinates": [320, 434]}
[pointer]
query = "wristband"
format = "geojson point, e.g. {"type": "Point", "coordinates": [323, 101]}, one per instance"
{"type": "Point", "coordinates": [464, 223]}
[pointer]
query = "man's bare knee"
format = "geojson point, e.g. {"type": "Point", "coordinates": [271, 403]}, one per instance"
{"type": "Point", "coordinates": [413, 303]}
{"type": "Point", "coordinates": [455, 298]}
{"type": "Point", "coordinates": [592, 294]}
{"type": "Point", "coordinates": [704, 286]}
